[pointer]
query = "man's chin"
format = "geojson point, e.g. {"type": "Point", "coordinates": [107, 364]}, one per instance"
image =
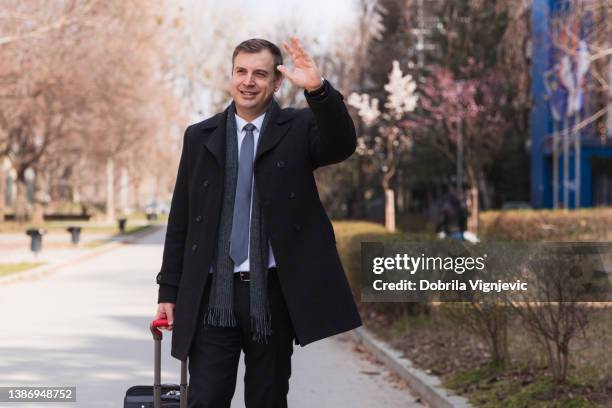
{"type": "Point", "coordinates": [249, 104]}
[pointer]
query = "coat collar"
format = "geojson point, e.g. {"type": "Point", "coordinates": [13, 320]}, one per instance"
{"type": "Point", "coordinates": [278, 125]}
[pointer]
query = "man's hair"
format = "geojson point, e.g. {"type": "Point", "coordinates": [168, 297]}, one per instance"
{"type": "Point", "coordinates": [255, 45]}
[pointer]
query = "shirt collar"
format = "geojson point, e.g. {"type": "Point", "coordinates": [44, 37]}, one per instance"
{"type": "Point", "coordinates": [258, 121]}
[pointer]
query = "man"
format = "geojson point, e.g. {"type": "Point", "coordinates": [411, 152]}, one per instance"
{"type": "Point", "coordinates": [250, 261]}
{"type": "Point", "coordinates": [452, 220]}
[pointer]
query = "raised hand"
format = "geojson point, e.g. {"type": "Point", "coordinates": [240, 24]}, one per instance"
{"type": "Point", "coordinates": [304, 73]}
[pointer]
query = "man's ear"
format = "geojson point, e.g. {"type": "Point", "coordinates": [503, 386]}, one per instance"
{"type": "Point", "coordinates": [278, 82]}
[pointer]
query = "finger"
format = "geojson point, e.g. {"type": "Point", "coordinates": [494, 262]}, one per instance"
{"type": "Point", "coordinates": [170, 314]}
{"type": "Point", "coordinates": [295, 46]}
{"type": "Point", "coordinates": [160, 314]}
{"type": "Point", "coordinates": [299, 48]}
{"type": "Point", "coordinates": [283, 70]}
{"type": "Point", "coordinates": [290, 50]}
{"type": "Point", "coordinates": [295, 41]}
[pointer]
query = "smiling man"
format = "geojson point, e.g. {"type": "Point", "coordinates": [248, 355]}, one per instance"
{"type": "Point", "coordinates": [250, 260]}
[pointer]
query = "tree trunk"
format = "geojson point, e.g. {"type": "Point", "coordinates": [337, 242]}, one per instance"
{"type": "Point", "coordinates": [21, 211]}
{"type": "Point", "coordinates": [38, 213]}
{"type": "Point", "coordinates": [401, 195]}
{"type": "Point", "coordinates": [484, 189]}
{"type": "Point", "coordinates": [2, 191]}
{"type": "Point", "coordinates": [389, 210]}
{"type": "Point", "coordinates": [357, 210]}
{"type": "Point", "coordinates": [136, 182]}
{"type": "Point", "coordinates": [500, 338]}
{"type": "Point", "coordinates": [123, 191]}
{"type": "Point", "coordinates": [473, 209]}
{"type": "Point", "coordinates": [38, 199]}
{"type": "Point", "coordinates": [110, 190]}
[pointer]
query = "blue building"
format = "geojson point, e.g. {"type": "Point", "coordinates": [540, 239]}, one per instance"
{"type": "Point", "coordinates": [571, 121]}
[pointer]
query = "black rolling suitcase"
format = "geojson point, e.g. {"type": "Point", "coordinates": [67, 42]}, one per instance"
{"type": "Point", "coordinates": [159, 395]}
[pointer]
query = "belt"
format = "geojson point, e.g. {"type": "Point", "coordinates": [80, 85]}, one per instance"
{"type": "Point", "coordinates": [245, 276]}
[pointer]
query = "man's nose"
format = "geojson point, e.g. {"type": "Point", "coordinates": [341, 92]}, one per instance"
{"type": "Point", "coordinates": [249, 79]}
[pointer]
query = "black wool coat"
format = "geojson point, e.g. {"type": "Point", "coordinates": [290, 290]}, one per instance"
{"type": "Point", "coordinates": [295, 143]}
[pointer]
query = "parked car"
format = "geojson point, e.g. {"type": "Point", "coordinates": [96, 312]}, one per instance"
{"type": "Point", "coordinates": [156, 207]}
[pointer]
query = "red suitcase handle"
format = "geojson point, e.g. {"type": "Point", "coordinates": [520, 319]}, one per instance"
{"type": "Point", "coordinates": [157, 337]}
{"type": "Point", "coordinates": [157, 334]}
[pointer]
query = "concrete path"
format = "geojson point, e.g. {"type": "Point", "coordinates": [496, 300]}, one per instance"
{"type": "Point", "coordinates": [87, 326]}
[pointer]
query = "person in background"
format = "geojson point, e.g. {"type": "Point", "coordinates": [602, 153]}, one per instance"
{"type": "Point", "coordinates": [452, 220]}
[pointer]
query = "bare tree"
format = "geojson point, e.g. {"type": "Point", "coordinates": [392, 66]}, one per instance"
{"type": "Point", "coordinates": [389, 140]}
{"type": "Point", "coordinates": [561, 278]}
{"type": "Point", "coordinates": [22, 21]}
{"type": "Point", "coordinates": [96, 80]}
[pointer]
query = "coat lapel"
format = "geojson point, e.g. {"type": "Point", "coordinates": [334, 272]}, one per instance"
{"type": "Point", "coordinates": [215, 143]}
{"type": "Point", "coordinates": [277, 127]}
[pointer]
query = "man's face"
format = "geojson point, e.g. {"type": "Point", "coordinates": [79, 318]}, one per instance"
{"type": "Point", "coordinates": [254, 81]}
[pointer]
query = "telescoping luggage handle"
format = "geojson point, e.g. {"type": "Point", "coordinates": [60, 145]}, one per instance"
{"type": "Point", "coordinates": [157, 336]}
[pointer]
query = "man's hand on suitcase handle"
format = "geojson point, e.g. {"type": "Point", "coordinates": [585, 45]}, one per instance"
{"type": "Point", "coordinates": [165, 311]}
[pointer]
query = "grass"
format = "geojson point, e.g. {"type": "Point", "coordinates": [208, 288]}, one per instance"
{"type": "Point", "coordinates": [409, 322]}
{"type": "Point", "coordinates": [10, 268]}
{"type": "Point", "coordinates": [491, 387]}
{"type": "Point", "coordinates": [59, 227]}
{"type": "Point", "coordinates": [12, 227]}
{"type": "Point", "coordinates": [129, 231]}
{"type": "Point", "coordinates": [525, 382]}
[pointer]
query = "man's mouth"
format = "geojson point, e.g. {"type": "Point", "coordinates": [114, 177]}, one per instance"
{"type": "Point", "coordinates": [248, 94]}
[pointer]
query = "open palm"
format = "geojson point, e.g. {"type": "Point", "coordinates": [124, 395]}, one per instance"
{"type": "Point", "coordinates": [304, 73]}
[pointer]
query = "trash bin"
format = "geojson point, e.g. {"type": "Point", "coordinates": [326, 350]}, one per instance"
{"type": "Point", "coordinates": [122, 222]}
{"type": "Point", "coordinates": [36, 239]}
{"type": "Point", "coordinates": [75, 234]}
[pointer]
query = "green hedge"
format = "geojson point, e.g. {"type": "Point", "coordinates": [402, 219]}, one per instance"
{"type": "Point", "coordinates": [349, 236]}
{"type": "Point", "coordinates": [593, 224]}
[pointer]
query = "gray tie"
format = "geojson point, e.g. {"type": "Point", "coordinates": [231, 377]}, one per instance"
{"type": "Point", "coordinates": [239, 240]}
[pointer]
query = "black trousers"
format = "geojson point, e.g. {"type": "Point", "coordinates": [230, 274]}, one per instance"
{"type": "Point", "coordinates": [214, 355]}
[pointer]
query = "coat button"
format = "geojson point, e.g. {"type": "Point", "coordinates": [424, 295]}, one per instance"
{"type": "Point", "coordinates": [199, 218]}
{"type": "Point", "coordinates": [194, 247]}
{"type": "Point", "coordinates": [280, 163]}
{"type": "Point", "coordinates": [297, 227]}
{"type": "Point", "coordinates": [292, 195]}
{"type": "Point", "coordinates": [158, 278]}
{"type": "Point", "coordinates": [205, 183]}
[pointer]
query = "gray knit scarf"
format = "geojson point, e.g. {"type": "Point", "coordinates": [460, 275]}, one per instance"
{"type": "Point", "coordinates": [221, 303]}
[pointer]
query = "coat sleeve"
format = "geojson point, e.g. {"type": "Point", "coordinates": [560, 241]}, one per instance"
{"type": "Point", "coordinates": [176, 233]}
{"type": "Point", "coordinates": [331, 132]}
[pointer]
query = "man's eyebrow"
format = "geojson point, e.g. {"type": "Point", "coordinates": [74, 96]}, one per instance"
{"type": "Point", "coordinates": [258, 70]}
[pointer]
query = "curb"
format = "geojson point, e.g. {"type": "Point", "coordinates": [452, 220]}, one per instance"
{"type": "Point", "coordinates": [46, 270]}
{"type": "Point", "coordinates": [427, 386]}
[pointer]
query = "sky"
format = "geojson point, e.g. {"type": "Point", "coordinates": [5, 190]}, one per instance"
{"type": "Point", "coordinates": [317, 17]}
{"type": "Point", "coordinates": [315, 20]}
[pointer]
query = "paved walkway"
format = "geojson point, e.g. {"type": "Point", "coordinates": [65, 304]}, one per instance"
{"type": "Point", "coordinates": [87, 326]}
